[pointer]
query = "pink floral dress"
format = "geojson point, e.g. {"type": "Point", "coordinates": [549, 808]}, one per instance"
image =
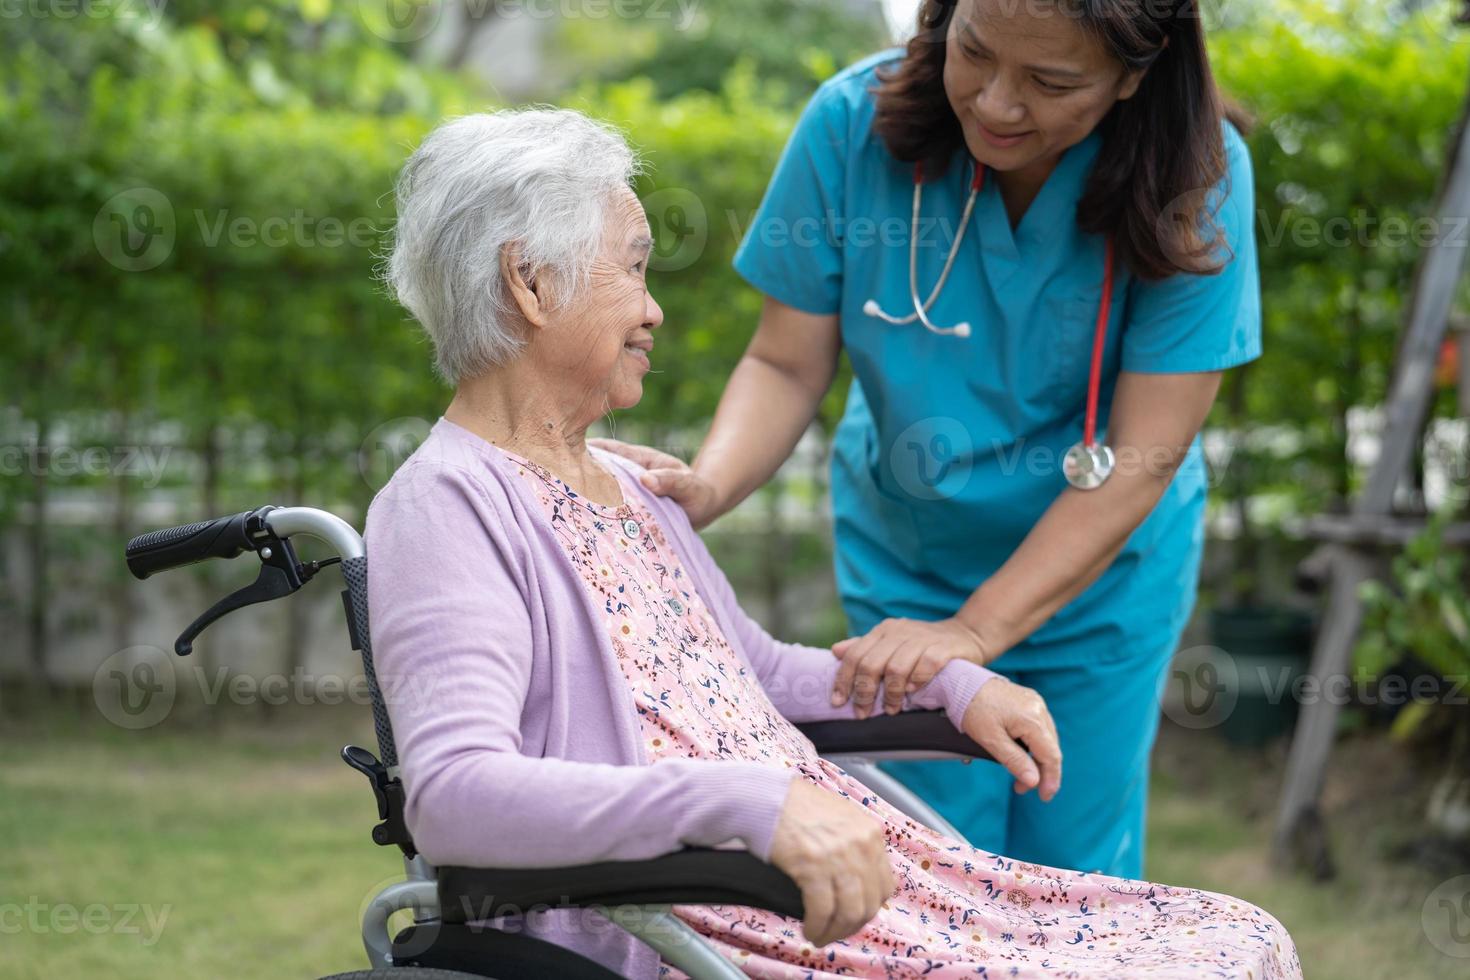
{"type": "Point", "coordinates": [957, 911]}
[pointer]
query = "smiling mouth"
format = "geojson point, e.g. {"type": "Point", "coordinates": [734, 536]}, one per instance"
{"type": "Point", "coordinates": [994, 137]}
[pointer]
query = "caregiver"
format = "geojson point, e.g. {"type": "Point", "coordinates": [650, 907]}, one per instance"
{"type": "Point", "coordinates": [1031, 232]}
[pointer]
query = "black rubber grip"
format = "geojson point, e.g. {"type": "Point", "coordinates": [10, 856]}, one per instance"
{"type": "Point", "coordinates": [907, 731]}
{"type": "Point", "coordinates": [171, 547]}
{"type": "Point", "coordinates": [692, 876]}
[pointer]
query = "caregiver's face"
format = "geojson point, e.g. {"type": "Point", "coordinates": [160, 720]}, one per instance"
{"type": "Point", "coordinates": [607, 332]}
{"type": "Point", "coordinates": [1027, 81]}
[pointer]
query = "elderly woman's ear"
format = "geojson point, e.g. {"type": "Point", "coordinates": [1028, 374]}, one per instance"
{"type": "Point", "coordinates": [529, 295]}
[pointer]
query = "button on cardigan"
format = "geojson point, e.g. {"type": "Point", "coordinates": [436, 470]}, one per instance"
{"type": "Point", "coordinates": [518, 740]}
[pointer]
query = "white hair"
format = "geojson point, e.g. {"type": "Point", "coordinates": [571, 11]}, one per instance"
{"type": "Point", "coordinates": [537, 179]}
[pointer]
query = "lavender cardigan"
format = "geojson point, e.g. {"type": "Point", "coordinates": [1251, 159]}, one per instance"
{"type": "Point", "coordinates": [518, 738]}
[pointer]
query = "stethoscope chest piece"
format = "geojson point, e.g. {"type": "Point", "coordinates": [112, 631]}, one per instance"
{"type": "Point", "coordinates": [1087, 467]}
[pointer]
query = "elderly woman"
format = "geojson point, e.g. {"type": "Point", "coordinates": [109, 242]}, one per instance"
{"type": "Point", "coordinates": [591, 690]}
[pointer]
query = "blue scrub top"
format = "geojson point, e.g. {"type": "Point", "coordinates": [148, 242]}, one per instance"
{"type": "Point", "coordinates": [950, 449]}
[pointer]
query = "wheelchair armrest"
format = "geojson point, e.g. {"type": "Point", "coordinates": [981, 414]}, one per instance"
{"type": "Point", "coordinates": [906, 732]}
{"type": "Point", "coordinates": [693, 876]}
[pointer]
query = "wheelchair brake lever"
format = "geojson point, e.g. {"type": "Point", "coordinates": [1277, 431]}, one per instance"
{"type": "Point", "coordinates": [280, 575]}
{"type": "Point", "coordinates": [388, 791]}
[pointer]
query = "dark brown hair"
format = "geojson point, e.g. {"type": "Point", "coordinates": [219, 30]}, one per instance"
{"type": "Point", "coordinates": [1162, 150]}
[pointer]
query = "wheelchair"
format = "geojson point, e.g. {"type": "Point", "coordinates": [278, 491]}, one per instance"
{"type": "Point", "coordinates": [446, 940]}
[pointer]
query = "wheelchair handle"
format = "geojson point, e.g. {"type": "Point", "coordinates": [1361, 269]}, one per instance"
{"type": "Point", "coordinates": [173, 547]}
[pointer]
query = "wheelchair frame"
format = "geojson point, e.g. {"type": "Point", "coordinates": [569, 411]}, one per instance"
{"type": "Point", "coordinates": [444, 934]}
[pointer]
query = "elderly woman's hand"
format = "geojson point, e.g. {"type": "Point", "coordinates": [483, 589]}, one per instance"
{"type": "Point", "coordinates": [669, 476]}
{"type": "Point", "coordinates": [1015, 727]}
{"type": "Point", "coordinates": [833, 849]}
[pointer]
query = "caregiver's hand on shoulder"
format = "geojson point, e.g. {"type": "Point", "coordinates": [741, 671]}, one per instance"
{"type": "Point", "coordinates": [833, 849]}
{"type": "Point", "coordinates": [669, 476]}
{"type": "Point", "coordinates": [901, 656]}
{"type": "Point", "coordinates": [1015, 727]}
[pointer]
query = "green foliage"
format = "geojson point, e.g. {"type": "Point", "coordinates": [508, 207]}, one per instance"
{"type": "Point", "coordinates": [271, 130]}
{"type": "Point", "coordinates": [792, 46]}
{"type": "Point", "coordinates": [176, 218]}
{"type": "Point", "coordinates": [1424, 611]}
{"type": "Point", "coordinates": [1355, 103]}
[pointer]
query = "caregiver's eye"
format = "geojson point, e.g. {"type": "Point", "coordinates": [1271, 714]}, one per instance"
{"type": "Point", "coordinates": [1054, 87]}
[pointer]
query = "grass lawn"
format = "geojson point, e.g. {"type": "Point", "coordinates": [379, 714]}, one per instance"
{"type": "Point", "coordinates": [241, 850]}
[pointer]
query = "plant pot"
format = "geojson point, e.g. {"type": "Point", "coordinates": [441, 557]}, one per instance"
{"type": "Point", "coordinates": [1269, 648]}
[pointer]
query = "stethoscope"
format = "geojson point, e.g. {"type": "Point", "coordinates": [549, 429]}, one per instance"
{"type": "Point", "coordinates": [1089, 463]}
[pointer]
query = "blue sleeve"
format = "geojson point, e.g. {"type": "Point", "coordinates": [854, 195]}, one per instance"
{"type": "Point", "coordinates": [792, 250]}
{"type": "Point", "coordinates": [1204, 322]}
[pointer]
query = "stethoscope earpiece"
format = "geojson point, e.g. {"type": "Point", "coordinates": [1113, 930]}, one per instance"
{"type": "Point", "coordinates": [1088, 464]}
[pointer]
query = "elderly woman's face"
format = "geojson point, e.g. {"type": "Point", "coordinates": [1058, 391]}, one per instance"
{"type": "Point", "coordinates": [603, 338]}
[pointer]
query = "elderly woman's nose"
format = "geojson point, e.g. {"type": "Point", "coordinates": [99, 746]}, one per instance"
{"type": "Point", "coordinates": [653, 314]}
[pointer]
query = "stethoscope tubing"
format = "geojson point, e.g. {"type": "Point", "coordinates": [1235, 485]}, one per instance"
{"type": "Point", "coordinates": [1087, 464]}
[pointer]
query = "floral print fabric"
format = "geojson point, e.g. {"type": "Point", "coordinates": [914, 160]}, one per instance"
{"type": "Point", "coordinates": [956, 911]}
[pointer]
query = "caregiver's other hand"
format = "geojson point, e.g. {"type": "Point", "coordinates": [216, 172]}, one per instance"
{"type": "Point", "coordinates": [901, 655]}
{"type": "Point", "coordinates": [1014, 725]}
{"type": "Point", "coordinates": [833, 849]}
{"type": "Point", "coordinates": [669, 476]}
